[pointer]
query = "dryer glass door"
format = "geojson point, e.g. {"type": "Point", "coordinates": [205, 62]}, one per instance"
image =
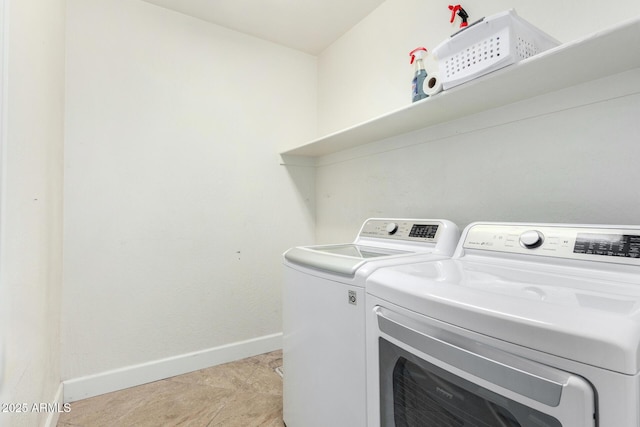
{"type": "Point", "coordinates": [425, 395]}
{"type": "Point", "coordinates": [431, 377]}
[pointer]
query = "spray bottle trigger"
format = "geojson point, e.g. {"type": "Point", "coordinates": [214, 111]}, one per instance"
{"type": "Point", "coordinates": [453, 10]}
{"type": "Point", "coordinates": [461, 13]}
{"type": "Point", "coordinates": [415, 53]}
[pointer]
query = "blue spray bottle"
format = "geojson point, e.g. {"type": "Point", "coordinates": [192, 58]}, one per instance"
{"type": "Point", "coordinates": [419, 75]}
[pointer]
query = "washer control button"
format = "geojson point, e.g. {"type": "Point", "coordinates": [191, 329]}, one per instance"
{"type": "Point", "coordinates": [531, 239]}
{"type": "Point", "coordinates": [392, 227]}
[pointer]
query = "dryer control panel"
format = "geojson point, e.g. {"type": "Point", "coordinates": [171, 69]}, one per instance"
{"type": "Point", "coordinates": [401, 229]}
{"type": "Point", "coordinates": [583, 242]}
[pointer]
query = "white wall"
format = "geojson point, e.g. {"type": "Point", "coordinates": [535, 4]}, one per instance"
{"type": "Point", "coordinates": [569, 156]}
{"type": "Point", "coordinates": [564, 157]}
{"type": "Point", "coordinates": [176, 208]}
{"type": "Point", "coordinates": [31, 209]}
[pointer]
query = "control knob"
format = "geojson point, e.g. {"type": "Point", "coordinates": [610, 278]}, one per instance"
{"type": "Point", "coordinates": [392, 227]}
{"type": "Point", "coordinates": [531, 239]}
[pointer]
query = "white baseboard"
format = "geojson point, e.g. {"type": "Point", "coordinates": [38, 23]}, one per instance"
{"type": "Point", "coordinates": [130, 376]}
{"type": "Point", "coordinates": [52, 418]}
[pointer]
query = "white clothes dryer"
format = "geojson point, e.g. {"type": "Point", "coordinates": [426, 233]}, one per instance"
{"type": "Point", "coordinates": [526, 325]}
{"type": "Point", "coordinates": [324, 315]}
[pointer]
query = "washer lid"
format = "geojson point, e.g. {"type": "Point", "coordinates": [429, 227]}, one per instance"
{"type": "Point", "coordinates": [342, 259]}
{"type": "Point", "coordinates": [581, 314]}
{"type": "Point", "coordinates": [357, 251]}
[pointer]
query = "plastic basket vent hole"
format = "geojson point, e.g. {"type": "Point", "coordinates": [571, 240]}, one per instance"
{"type": "Point", "coordinates": [525, 48]}
{"type": "Point", "coordinates": [448, 64]}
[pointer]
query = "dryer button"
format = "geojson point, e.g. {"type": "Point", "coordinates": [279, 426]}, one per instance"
{"type": "Point", "coordinates": [531, 239]}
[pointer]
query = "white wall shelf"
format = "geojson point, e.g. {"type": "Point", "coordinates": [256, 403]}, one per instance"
{"type": "Point", "coordinates": [605, 53]}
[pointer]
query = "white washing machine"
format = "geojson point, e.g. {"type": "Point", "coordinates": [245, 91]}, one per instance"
{"type": "Point", "coordinates": [526, 325]}
{"type": "Point", "coordinates": [324, 315]}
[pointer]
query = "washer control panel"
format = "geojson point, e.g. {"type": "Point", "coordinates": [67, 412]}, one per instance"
{"type": "Point", "coordinates": [416, 230]}
{"type": "Point", "coordinates": [617, 245]}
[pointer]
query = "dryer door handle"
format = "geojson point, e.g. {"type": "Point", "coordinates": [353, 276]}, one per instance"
{"type": "Point", "coordinates": [524, 377]}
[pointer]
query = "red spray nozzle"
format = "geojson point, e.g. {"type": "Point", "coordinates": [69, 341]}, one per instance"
{"type": "Point", "coordinates": [461, 13]}
{"type": "Point", "coordinates": [419, 51]}
{"type": "Point", "coordinates": [453, 10]}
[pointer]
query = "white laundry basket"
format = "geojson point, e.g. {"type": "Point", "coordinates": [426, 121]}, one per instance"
{"type": "Point", "coordinates": [493, 43]}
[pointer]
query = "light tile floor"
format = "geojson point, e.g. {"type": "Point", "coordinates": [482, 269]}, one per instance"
{"type": "Point", "coordinates": [245, 393]}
